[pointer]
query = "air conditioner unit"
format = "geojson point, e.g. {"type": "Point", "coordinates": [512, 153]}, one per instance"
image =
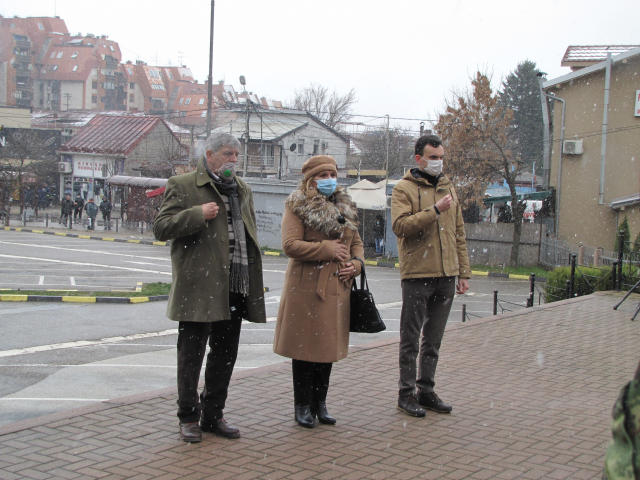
{"type": "Point", "coordinates": [64, 167]}
{"type": "Point", "coordinates": [572, 147]}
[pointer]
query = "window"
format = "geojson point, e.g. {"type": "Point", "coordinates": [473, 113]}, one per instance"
{"type": "Point", "coordinates": [75, 67]}
{"type": "Point", "coordinates": [53, 54]}
{"type": "Point", "coordinates": [130, 72]}
{"type": "Point", "coordinates": [40, 26]}
{"type": "Point", "coordinates": [111, 48]}
{"type": "Point", "coordinates": [132, 98]}
{"type": "Point", "coordinates": [94, 84]}
{"type": "Point", "coordinates": [301, 146]}
{"type": "Point", "coordinates": [132, 85]}
{"type": "Point", "coordinates": [201, 102]}
{"type": "Point", "coordinates": [74, 54]}
{"type": "Point", "coordinates": [183, 114]}
{"type": "Point", "coordinates": [170, 75]}
{"type": "Point", "coordinates": [94, 99]}
{"type": "Point", "coordinates": [180, 102]}
{"type": "Point", "coordinates": [109, 86]}
{"type": "Point", "coordinates": [60, 54]}
{"type": "Point", "coordinates": [316, 146]}
{"type": "Point", "coordinates": [204, 114]}
{"type": "Point", "coordinates": [53, 67]}
{"type": "Point", "coordinates": [187, 101]}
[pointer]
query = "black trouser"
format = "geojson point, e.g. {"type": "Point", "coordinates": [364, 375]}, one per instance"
{"type": "Point", "coordinates": [426, 303]}
{"type": "Point", "coordinates": [223, 337]}
{"type": "Point", "coordinates": [77, 213]}
{"type": "Point", "coordinates": [92, 223]}
{"type": "Point", "coordinates": [106, 218]}
{"type": "Point", "coordinates": [310, 381]}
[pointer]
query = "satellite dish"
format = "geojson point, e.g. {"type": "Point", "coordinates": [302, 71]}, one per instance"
{"type": "Point", "coordinates": [292, 147]}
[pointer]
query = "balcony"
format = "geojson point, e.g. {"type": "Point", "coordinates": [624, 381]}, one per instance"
{"type": "Point", "coordinates": [23, 44]}
{"type": "Point", "coordinates": [257, 163]}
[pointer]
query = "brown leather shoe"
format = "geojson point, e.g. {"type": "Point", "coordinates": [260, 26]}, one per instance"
{"type": "Point", "coordinates": [220, 428]}
{"type": "Point", "coordinates": [190, 432]}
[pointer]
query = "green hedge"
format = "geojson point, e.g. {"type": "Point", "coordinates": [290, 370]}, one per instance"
{"type": "Point", "coordinates": [557, 282]}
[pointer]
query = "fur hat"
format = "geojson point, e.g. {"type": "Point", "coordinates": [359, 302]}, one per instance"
{"type": "Point", "coordinates": [318, 164]}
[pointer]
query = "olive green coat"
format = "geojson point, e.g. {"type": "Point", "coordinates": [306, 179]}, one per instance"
{"type": "Point", "coordinates": [200, 250]}
{"type": "Point", "coordinates": [428, 245]}
{"type": "Point", "coordinates": [313, 320]}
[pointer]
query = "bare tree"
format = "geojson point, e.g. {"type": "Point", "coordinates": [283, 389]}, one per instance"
{"type": "Point", "coordinates": [27, 152]}
{"type": "Point", "coordinates": [330, 107]}
{"type": "Point", "coordinates": [475, 127]}
{"type": "Point", "coordinates": [372, 146]}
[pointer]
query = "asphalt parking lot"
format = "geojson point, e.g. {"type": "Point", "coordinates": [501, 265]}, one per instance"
{"type": "Point", "coordinates": [60, 356]}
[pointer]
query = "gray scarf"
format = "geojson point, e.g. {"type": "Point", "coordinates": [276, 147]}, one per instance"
{"type": "Point", "coordinates": [239, 276]}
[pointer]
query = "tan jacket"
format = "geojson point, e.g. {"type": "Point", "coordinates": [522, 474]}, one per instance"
{"type": "Point", "coordinates": [313, 320]}
{"type": "Point", "coordinates": [428, 246]}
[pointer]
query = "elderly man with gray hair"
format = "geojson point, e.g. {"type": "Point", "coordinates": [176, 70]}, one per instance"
{"type": "Point", "coordinates": [216, 280]}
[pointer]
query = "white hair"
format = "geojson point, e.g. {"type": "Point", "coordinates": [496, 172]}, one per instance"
{"type": "Point", "coordinates": [218, 140]}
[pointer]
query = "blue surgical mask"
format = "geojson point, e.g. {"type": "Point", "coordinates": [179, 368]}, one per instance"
{"type": "Point", "coordinates": [327, 186]}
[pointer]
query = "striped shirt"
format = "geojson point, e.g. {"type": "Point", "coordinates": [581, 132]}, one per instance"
{"type": "Point", "coordinates": [232, 236]}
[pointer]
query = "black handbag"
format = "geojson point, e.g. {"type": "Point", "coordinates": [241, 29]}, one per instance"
{"type": "Point", "coordinates": [365, 317]}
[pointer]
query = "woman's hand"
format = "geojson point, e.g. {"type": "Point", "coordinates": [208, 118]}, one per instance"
{"type": "Point", "coordinates": [347, 272]}
{"type": "Point", "coordinates": [340, 251]}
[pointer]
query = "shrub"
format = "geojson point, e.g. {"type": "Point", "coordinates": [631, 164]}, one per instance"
{"type": "Point", "coordinates": [587, 280]}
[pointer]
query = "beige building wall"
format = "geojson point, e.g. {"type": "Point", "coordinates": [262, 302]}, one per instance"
{"type": "Point", "coordinates": [582, 219]}
{"type": "Point", "coordinates": [13, 117]}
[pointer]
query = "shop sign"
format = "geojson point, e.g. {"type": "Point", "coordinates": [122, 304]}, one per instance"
{"type": "Point", "coordinates": [88, 167]}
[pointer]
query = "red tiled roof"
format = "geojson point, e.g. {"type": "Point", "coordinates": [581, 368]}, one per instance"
{"type": "Point", "coordinates": [111, 135]}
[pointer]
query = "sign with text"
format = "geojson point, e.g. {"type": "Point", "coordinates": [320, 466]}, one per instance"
{"type": "Point", "coordinates": [88, 167]}
{"type": "Point", "coordinates": [637, 109]}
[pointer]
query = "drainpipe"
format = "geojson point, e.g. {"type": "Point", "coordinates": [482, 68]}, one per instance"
{"type": "Point", "coordinates": [559, 162]}
{"type": "Point", "coordinates": [605, 121]}
{"type": "Point", "coordinates": [546, 137]}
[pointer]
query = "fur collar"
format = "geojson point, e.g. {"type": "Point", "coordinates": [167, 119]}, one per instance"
{"type": "Point", "coordinates": [324, 214]}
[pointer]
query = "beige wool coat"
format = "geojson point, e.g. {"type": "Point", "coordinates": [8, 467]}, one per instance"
{"type": "Point", "coordinates": [313, 320]}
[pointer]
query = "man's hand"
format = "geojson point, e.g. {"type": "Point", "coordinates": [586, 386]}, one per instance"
{"type": "Point", "coordinates": [462, 286]}
{"type": "Point", "coordinates": [347, 272]}
{"type": "Point", "coordinates": [210, 210]}
{"type": "Point", "coordinates": [340, 251]}
{"type": "Point", "coordinates": [444, 203]}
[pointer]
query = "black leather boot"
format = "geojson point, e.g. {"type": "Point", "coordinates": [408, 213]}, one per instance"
{"type": "Point", "coordinates": [319, 410]}
{"type": "Point", "coordinates": [304, 417]}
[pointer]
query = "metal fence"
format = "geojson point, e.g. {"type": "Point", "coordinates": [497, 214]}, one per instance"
{"type": "Point", "coordinates": [557, 253]}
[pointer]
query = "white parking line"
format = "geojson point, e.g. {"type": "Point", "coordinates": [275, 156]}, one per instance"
{"type": "Point", "coordinates": [92, 252]}
{"type": "Point", "coordinates": [56, 399]}
{"type": "Point", "coordinates": [86, 264]}
{"type": "Point", "coordinates": [72, 280]}
{"type": "Point", "coordinates": [84, 343]}
{"type": "Point", "coordinates": [41, 282]}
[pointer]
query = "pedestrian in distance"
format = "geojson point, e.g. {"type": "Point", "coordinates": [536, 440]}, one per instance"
{"type": "Point", "coordinates": [427, 220]}
{"type": "Point", "coordinates": [92, 212]}
{"type": "Point", "coordinates": [217, 280]}
{"type": "Point", "coordinates": [320, 237]}
{"type": "Point", "coordinates": [66, 209]}
{"type": "Point", "coordinates": [78, 207]}
{"type": "Point", "coordinates": [105, 208]}
{"type": "Point", "coordinates": [378, 234]}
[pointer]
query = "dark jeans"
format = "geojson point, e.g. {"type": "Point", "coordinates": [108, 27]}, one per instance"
{"type": "Point", "coordinates": [77, 214]}
{"type": "Point", "coordinates": [426, 303]}
{"type": "Point", "coordinates": [223, 338]}
{"type": "Point", "coordinates": [106, 217]}
{"type": "Point", "coordinates": [310, 381]}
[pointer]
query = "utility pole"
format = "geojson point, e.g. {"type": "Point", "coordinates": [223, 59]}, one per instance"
{"type": "Point", "coordinates": [386, 166]}
{"type": "Point", "coordinates": [210, 86]}
{"type": "Point", "coordinates": [243, 82]}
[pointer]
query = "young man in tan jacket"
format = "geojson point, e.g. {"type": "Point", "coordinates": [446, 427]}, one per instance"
{"type": "Point", "coordinates": [427, 219]}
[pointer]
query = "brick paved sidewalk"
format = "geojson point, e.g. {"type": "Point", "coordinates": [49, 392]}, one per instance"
{"type": "Point", "coordinates": [532, 394]}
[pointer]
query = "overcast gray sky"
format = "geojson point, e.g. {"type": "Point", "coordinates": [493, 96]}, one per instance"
{"type": "Point", "coordinates": [403, 56]}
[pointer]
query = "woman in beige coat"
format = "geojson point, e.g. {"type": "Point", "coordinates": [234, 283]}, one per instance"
{"type": "Point", "coordinates": [320, 236]}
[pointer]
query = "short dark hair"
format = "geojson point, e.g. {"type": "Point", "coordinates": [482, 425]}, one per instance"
{"type": "Point", "coordinates": [425, 140]}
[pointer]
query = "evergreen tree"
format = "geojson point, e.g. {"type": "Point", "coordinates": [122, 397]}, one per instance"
{"type": "Point", "coordinates": [625, 237]}
{"type": "Point", "coordinates": [520, 92]}
{"type": "Point", "coordinates": [636, 244]}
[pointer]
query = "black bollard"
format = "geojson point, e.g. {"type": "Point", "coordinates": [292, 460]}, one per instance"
{"type": "Point", "coordinates": [567, 290]}
{"type": "Point", "coordinates": [573, 274]}
{"type": "Point", "coordinates": [614, 276]}
{"type": "Point", "coordinates": [495, 302]}
{"type": "Point", "coordinates": [532, 288]}
{"type": "Point", "coordinates": [464, 312]}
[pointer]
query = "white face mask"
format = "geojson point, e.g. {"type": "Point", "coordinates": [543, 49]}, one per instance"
{"type": "Point", "coordinates": [434, 167]}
